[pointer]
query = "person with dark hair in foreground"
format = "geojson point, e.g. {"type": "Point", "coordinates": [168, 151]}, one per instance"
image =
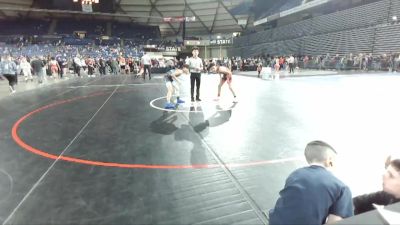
{"type": "Point", "coordinates": [313, 195]}
{"type": "Point", "coordinates": [391, 189]}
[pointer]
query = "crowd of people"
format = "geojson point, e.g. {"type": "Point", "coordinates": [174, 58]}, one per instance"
{"type": "Point", "coordinates": [63, 61]}
{"type": "Point", "coordinates": [59, 59]}
{"type": "Point", "coordinates": [363, 62]}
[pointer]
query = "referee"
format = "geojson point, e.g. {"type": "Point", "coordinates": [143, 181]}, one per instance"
{"type": "Point", "coordinates": [195, 66]}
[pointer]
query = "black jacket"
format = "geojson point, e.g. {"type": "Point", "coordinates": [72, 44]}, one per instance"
{"type": "Point", "coordinates": [363, 203]}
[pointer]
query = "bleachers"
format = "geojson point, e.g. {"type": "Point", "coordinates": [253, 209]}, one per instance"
{"type": "Point", "coordinates": [273, 48]}
{"type": "Point", "coordinates": [241, 41]}
{"type": "Point", "coordinates": [24, 27]}
{"type": "Point", "coordinates": [342, 32]}
{"type": "Point", "coordinates": [343, 42]}
{"type": "Point", "coordinates": [294, 30]}
{"type": "Point", "coordinates": [362, 16]}
{"type": "Point", "coordinates": [387, 39]}
{"type": "Point", "coordinates": [273, 8]}
{"type": "Point", "coordinates": [91, 27]}
{"type": "Point", "coordinates": [279, 6]}
{"type": "Point", "coordinates": [134, 31]}
{"type": "Point", "coordinates": [63, 27]}
{"type": "Point", "coordinates": [290, 5]}
{"type": "Point", "coordinates": [395, 9]}
{"type": "Point", "coordinates": [261, 37]}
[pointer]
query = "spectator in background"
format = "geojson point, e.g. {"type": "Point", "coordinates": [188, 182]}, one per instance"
{"type": "Point", "coordinates": [391, 189]}
{"type": "Point", "coordinates": [37, 66]}
{"type": "Point", "coordinates": [291, 64]}
{"type": "Point", "coordinates": [277, 67]}
{"type": "Point", "coordinates": [114, 66]}
{"type": "Point", "coordinates": [313, 195]}
{"type": "Point", "coordinates": [54, 67]}
{"type": "Point", "coordinates": [63, 62]}
{"type": "Point", "coordinates": [26, 69]}
{"type": "Point", "coordinates": [77, 65]}
{"type": "Point", "coordinates": [102, 66]}
{"type": "Point", "coordinates": [122, 63]}
{"type": "Point", "coordinates": [305, 61]}
{"type": "Point", "coordinates": [259, 69]}
{"type": "Point", "coordinates": [337, 62]}
{"type": "Point", "coordinates": [91, 64]}
{"type": "Point", "coordinates": [281, 63]}
{"type": "Point", "coordinates": [8, 69]}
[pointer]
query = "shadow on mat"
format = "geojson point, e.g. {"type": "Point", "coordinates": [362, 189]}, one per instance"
{"type": "Point", "coordinates": [165, 124]}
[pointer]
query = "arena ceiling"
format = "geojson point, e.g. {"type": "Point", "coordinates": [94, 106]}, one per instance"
{"type": "Point", "coordinates": [212, 16]}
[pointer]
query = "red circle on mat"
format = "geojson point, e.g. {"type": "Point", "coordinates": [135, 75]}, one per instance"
{"type": "Point", "coordinates": [42, 153]}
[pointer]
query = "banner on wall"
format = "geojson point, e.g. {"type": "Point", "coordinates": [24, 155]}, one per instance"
{"type": "Point", "coordinates": [87, 8]}
{"type": "Point", "coordinates": [196, 42]}
{"type": "Point", "coordinates": [221, 42]}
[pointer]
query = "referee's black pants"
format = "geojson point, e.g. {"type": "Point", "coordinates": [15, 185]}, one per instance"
{"type": "Point", "coordinates": [148, 69]}
{"type": "Point", "coordinates": [195, 79]}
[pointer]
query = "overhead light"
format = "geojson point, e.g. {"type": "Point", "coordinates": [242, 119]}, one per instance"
{"type": "Point", "coordinates": [218, 37]}
{"type": "Point", "coordinates": [87, 1]}
{"type": "Point", "coordinates": [394, 18]}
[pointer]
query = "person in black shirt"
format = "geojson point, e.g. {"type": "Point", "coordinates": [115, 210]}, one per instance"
{"type": "Point", "coordinates": [102, 66]}
{"type": "Point", "coordinates": [390, 193]}
{"type": "Point", "coordinates": [37, 64]}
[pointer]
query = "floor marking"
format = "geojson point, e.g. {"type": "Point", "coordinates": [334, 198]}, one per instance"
{"type": "Point", "coordinates": [192, 104]}
{"type": "Point", "coordinates": [115, 85]}
{"type": "Point", "coordinates": [57, 159]}
{"type": "Point", "coordinates": [42, 153]}
{"type": "Point", "coordinates": [227, 170]}
{"type": "Point", "coordinates": [11, 180]}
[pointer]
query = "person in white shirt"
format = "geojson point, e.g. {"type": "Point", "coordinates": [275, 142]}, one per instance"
{"type": "Point", "coordinates": [195, 66]}
{"type": "Point", "coordinates": [146, 62]}
{"type": "Point", "coordinates": [291, 64]}
{"type": "Point", "coordinates": [26, 69]}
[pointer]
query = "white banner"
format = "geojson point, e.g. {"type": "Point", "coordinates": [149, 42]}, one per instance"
{"type": "Point", "coordinates": [190, 19]}
{"type": "Point", "coordinates": [87, 8]}
{"type": "Point", "coordinates": [197, 42]}
{"type": "Point", "coordinates": [261, 21]}
{"type": "Point", "coordinates": [242, 22]}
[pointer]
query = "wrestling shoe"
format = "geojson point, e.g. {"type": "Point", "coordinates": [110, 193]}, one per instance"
{"type": "Point", "coordinates": [169, 106]}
